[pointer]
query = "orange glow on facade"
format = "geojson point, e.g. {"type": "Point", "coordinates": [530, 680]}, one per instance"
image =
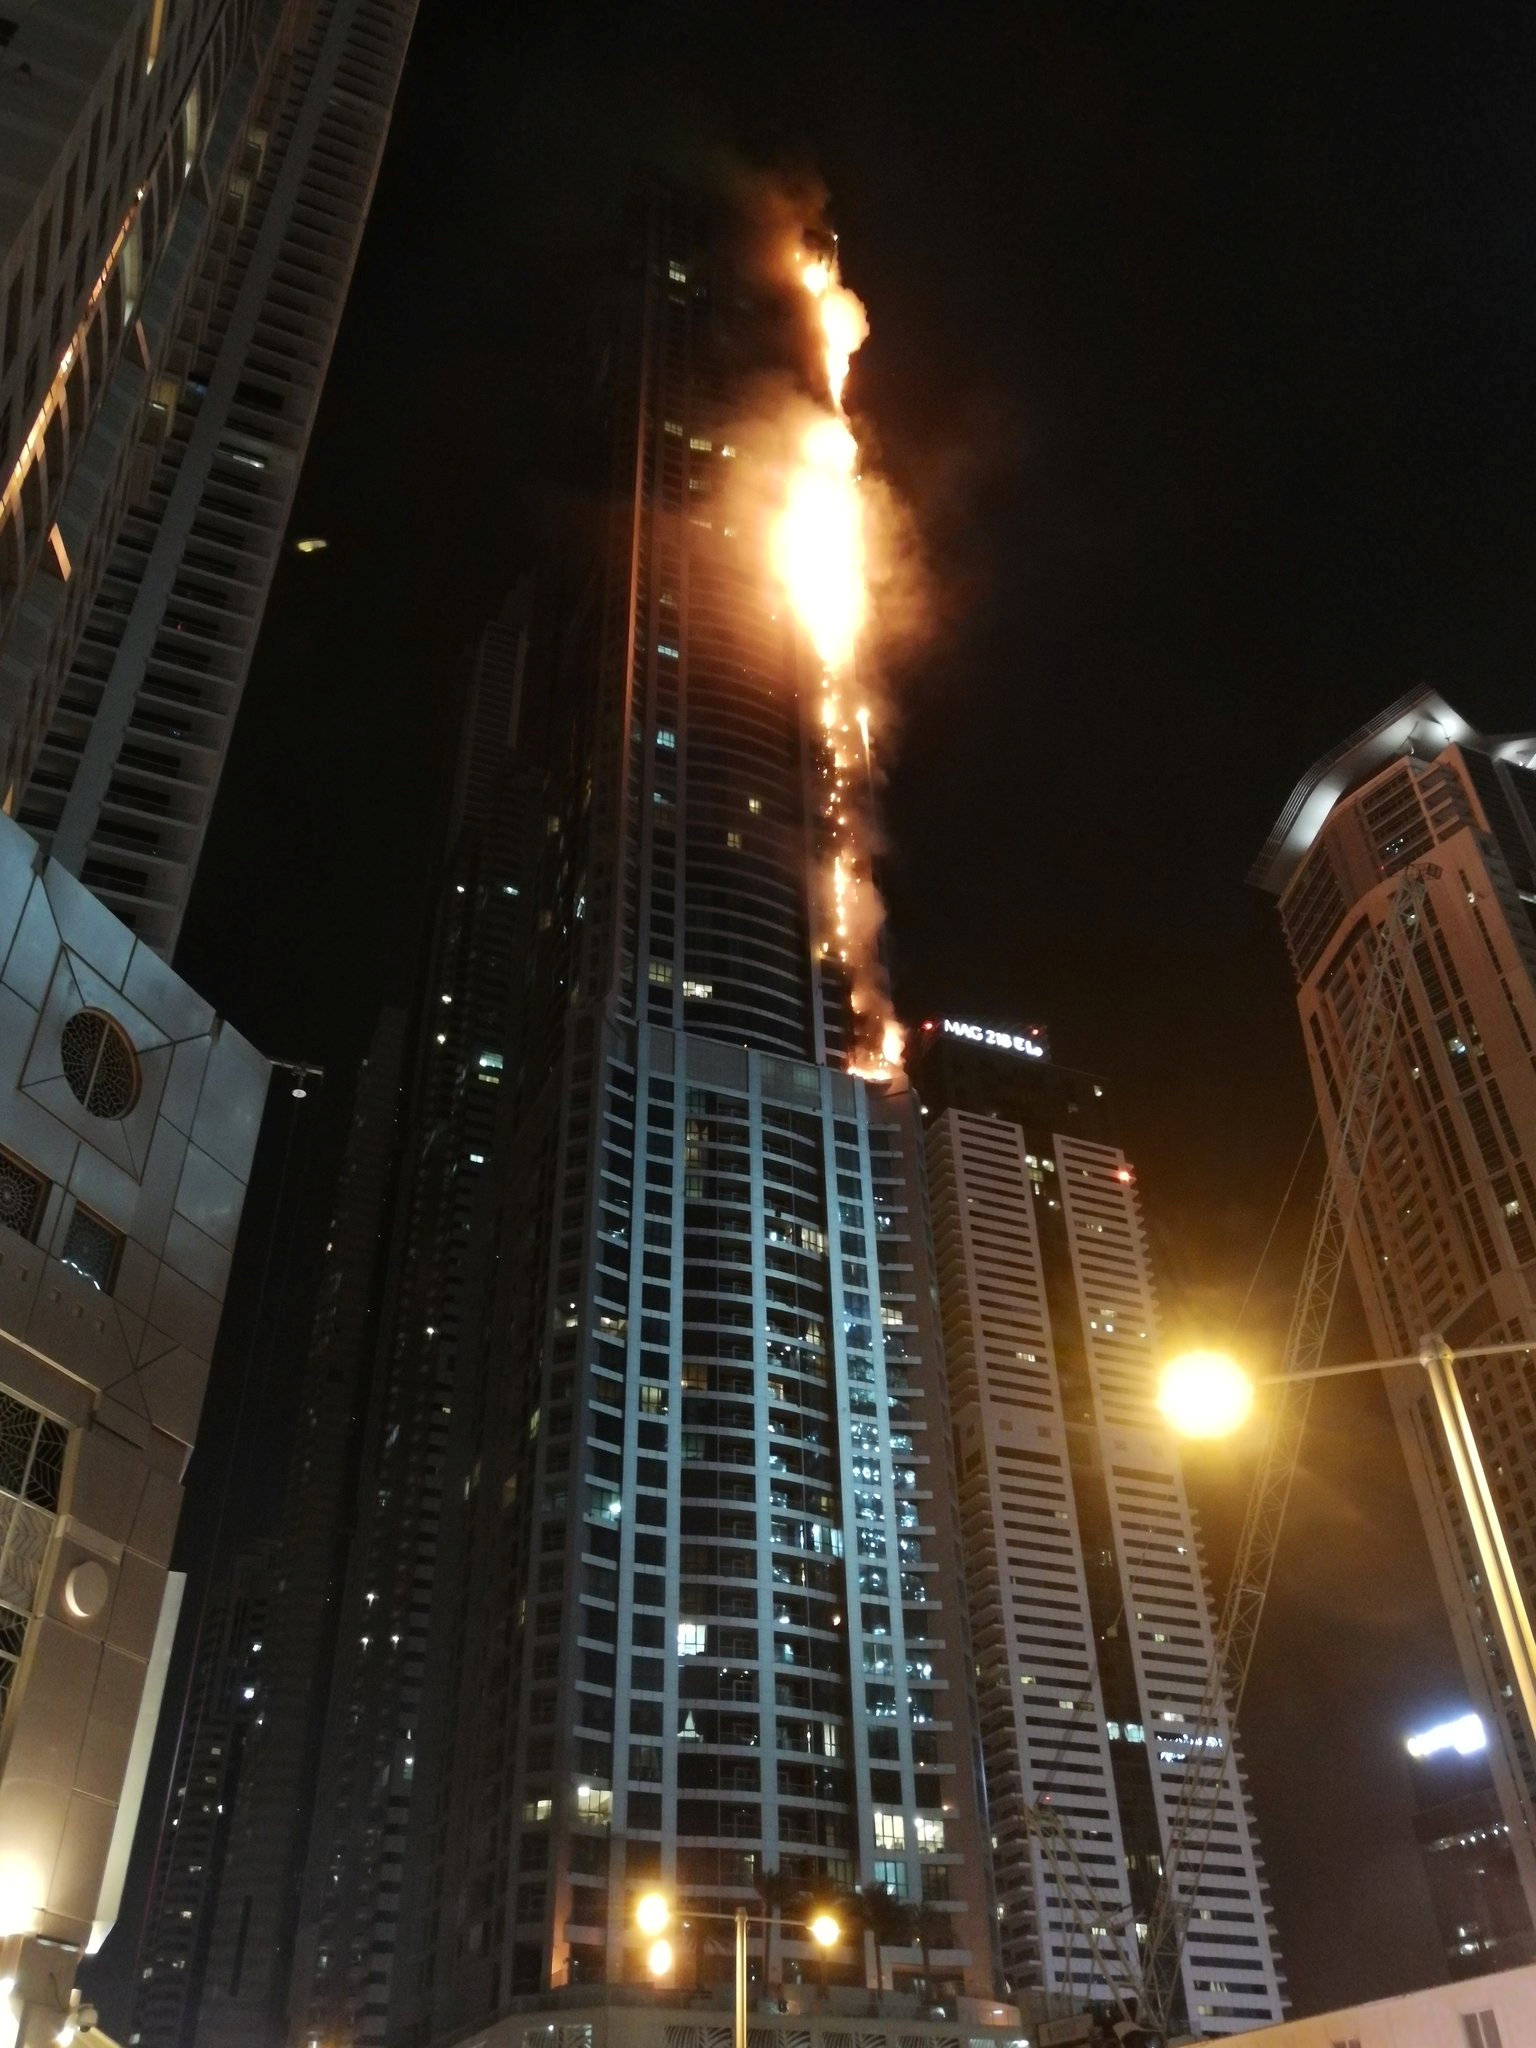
{"type": "Point", "coordinates": [819, 549]}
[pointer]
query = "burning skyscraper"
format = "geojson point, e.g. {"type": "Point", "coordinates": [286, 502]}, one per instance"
{"type": "Point", "coordinates": [705, 1553]}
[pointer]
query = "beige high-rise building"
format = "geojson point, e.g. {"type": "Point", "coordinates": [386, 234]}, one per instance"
{"type": "Point", "coordinates": [1445, 1237]}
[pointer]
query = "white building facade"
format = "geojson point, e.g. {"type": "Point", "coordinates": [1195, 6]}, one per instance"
{"type": "Point", "coordinates": [1090, 1615]}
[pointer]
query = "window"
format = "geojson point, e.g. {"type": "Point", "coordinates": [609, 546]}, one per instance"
{"type": "Point", "coordinates": [32, 1450]}
{"type": "Point", "coordinates": [691, 1638]}
{"type": "Point", "coordinates": [93, 1248]}
{"type": "Point", "coordinates": [894, 1877]}
{"type": "Point", "coordinates": [99, 1064]}
{"type": "Point", "coordinates": [930, 1835]}
{"type": "Point", "coordinates": [22, 1193]}
{"type": "Point", "coordinates": [890, 1831]}
{"type": "Point", "coordinates": [594, 1802]}
{"type": "Point", "coordinates": [1481, 2029]}
{"type": "Point", "coordinates": [659, 973]}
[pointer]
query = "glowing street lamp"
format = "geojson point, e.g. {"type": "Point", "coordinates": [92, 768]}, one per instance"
{"type": "Point", "coordinates": [825, 1931]}
{"type": "Point", "coordinates": [1205, 1394]}
{"type": "Point", "coordinates": [653, 1913]}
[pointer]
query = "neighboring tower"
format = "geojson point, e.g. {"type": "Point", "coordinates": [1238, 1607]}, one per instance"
{"type": "Point", "coordinates": [128, 1116]}
{"type": "Point", "coordinates": [1474, 1884]}
{"type": "Point", "coordinates": [428, 1374]}
{"type": "Point", "coordinates": [185, 188]}
{"type": "Point", "coordinates": [221, 1715]}
{"type": "Point", "coordinates": [711, 1585]}
{"type": "Point", "coordinates": [1445, 1238]}
{"type": "Point", "coordinates": [1090, 1615]}
{"type": "Point", "coordinates": [240, 1906]}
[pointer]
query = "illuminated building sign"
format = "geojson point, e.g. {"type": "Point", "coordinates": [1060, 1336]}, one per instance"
{"type": "Point", "coordinates": [1466, 1736]}
{"type": "Point", "coordinates": [1030, 1043]}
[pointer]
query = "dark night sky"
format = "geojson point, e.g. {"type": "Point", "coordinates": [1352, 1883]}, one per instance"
{"type": "Point", "coordinates": [1202, 347]}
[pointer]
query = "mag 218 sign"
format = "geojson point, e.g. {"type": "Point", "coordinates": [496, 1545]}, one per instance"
{"type": "Point", "coordinates": [1030, 1044]}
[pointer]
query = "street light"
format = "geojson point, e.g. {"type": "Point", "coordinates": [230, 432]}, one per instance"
{"type": "Point", "coordinates": [1199, 1390]}
{"type": "Point", "coordinates": [1205, 1394]}
{"type": "Point", "coordinates": [653, 1913]}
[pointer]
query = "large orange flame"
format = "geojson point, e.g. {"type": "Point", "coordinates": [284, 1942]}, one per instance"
{"type": "Point", "coordinates": [819, 555]}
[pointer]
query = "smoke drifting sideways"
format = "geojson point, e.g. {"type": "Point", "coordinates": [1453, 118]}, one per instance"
{"type": "Point", "coordinates": [839, 550]}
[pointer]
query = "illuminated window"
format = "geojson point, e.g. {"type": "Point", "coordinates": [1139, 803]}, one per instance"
{"type": "Point", "coordinates": [660, 973]}
{"type": "Point", "coordinates": [929, 1833]}
{"type": "Point", "coordinates": [673, 426]}
{"type": "Point", "coordinates": [677, 272]}
{"type": "Point", "coordinates": [733, 841]}
{"type": "Point", "coordinates": [699, 991]}
{"type": "Point", "coordinates": [704, 447]}
{"type": "Point", "coordinates": [594, 1802]}
{"type": "Point", "coordinates": [665, 738]}
{"type": "Point", "coordinates": [894, 1877]}
{"type": "Point", "coordinates": [691, 1638]}
{"type": "Point", "coordinates": [890, 1831]}
{"type": "Point", "coordinates": [755, 805]}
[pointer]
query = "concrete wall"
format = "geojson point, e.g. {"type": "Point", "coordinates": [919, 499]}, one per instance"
{"type": "Point", "coordinates": [1445, 2016]}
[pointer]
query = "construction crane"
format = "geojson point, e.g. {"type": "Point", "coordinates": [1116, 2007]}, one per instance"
{"type": "Point", "coordinates": [1154, 1987]}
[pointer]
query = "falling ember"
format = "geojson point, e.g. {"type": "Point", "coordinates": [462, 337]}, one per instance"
{"type": "Point", "coordinates": [819, 555]}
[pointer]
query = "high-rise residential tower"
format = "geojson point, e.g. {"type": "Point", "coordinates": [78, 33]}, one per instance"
{"type": "Point", "coordinates": [182, 192]}
{"type": "Point", "coordinates": [702, 1628]}
{"type": "Point", "coordinates": [221, 1714]}
{"type": "Point", "coordinates": [430, 1376]}
{"type": "Point", "coordinates": [182, 188]}
{"type": "Point", "coordinates": [218, 1948]}
{"type": "Point", "coordinates": [1090, 1613]}
{"type": "Point", "coordinates": [1445, 1233]}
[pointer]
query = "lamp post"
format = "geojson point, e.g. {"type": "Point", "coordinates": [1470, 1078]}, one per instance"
{"type": "Point", "coordinates": [1207, 1394]}
{"type": "Point", "coordinates": [653, 1914]}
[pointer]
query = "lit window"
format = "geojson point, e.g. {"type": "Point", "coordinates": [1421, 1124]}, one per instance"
{"type": "Point", "coordinates": [491, 1060]}
{"type": "Point", "coordinates": [755, 805]}
{"type": "Point", "coordinates": [691, 1638]}
{"type": "Point", "coordinates": [594, 1802]}
{"type": "Point", "coordinates": [677, 272]}
{"type": "Point", "coordinates": [930, 1834]}
{"type": "Point", "coordinates": [665, 647]}
{"type": "Point", "coordinates": [660, 973]}
{"type": "Point", "coordinates": [698, 442]}
{"type": "Point", "coordinates": [894, 1877]}
{"type": "Point", "coordinates": [733, 841]}
{"type": "Point", "coordinates": [673, 426]}
{"type": "Point", "coordinates": [699, 991]}
{"type": "Point", "coordinates": [890, 1831]}
{"type": "Point", "coordinates": [664, 738]}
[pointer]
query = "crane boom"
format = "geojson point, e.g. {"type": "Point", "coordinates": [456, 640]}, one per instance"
{"type": "Point", "coordinates": [1207, 1753]}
